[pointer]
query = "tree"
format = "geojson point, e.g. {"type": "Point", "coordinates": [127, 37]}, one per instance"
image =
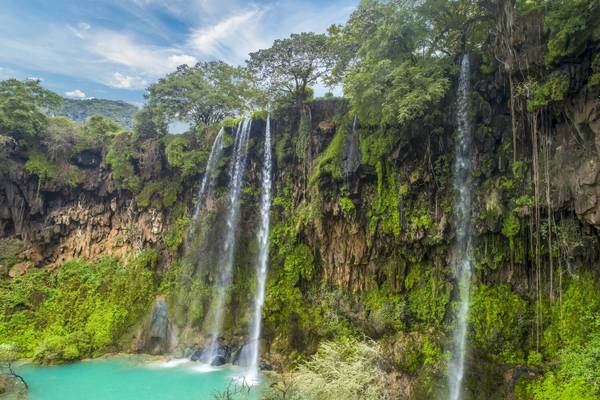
{"type": "Point", "coordinates": [291, 65]}
{"type": "Point", "coordinates": [203, 94]}
{"type": "Point", "coordinates": [9, 353]}
{"type": "Point", "coordinates": [22, 108]}
{"type": "Point", "coordinates": [150, 121]}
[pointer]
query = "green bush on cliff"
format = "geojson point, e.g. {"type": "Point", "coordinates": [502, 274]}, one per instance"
{"type": "Point", "coordinates": [81, 310]}
{"type": "Point", "coordinates": [571, 25]}
{"type": "Point", "coordinates": [119, 156]}
{"type": "Point", "coordinates": [551, 91]}
{"type": "Point", "coordinates": [499, 318]}
{"type": "Point", "coordinates": [183, 155]}
{"type": "Point", "coordinates": [344, 369]}
{"type": "Point", "coordinates": [177, 232]}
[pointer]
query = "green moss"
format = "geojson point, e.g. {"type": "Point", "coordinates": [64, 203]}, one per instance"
{"type": "Point", "coordinates": [428, 296]}
{"type": "Point", "coordinates": [260, 115]}
{"type": "Point", "coordinates": [347, 206]}
{"type": "Point", "coordinates": [499, 319]}
{"type": "Point", "coordinates": [331, 158]}
{"type": "Point", "coordinates": [177, 232]}
{"type": "Point", "coordinates": [511, 228]}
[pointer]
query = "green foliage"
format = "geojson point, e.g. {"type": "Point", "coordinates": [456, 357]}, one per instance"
{"type": "Point", "coordinates": [428, 295]}
{"type": "Point", "coordinates": [120, 158]}
{"type": "Point", "coordinates": [345, 369]}
{"type": "Point", "coordinates": [292, 64]}
{"type": "Point", "coordinates": [499, 319]}
{"type": "Point", "coordinates": [203, 94]}
{"type": "Point", "coordinates": [22, 107]}
{"type": "Point", "coordinates": [571, 25]}
{"type": "Point", "coordinates": [578, 377]}
{"type": "Point", "coordinates": [331, 158]}
{"type": "Point", "coordinates": [347, 206]}
{"type": "Point", "coordinates": [260, 115]}
{"type": "Point", "coordinates": [384, 214]}
{"type": "Point", "coordinates": [386, 93]}
{"type": "Point", "coordinates": [183, 154]}
{"type": "Point", "coordinates": [177, 232]}
{"type": "Point", "coordinates": [81, 310]}
{"type": "Point", "coordinates": [553, 90]}
{"type": "Point", "coordinates": [159, 193]}
{"type": "Point", "coordinates": [99, 127]}
{"type": "Point", "coordinates": [385, 309]}
{"type": "Point", "coordinates": [576, 317]}
{"type": "Point", "coordinates": [149, 122]}
{"type": "Point", "coordinates": [511, 228]}
{"type": "Point", "coordinates": [40, 166]}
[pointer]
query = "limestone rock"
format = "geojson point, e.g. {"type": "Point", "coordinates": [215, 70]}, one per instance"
{"type": "Point", "coordinates": [19, 269]}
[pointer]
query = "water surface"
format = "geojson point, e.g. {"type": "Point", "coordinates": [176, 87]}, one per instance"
{"type": "Point", "coordinates": [127, 378]}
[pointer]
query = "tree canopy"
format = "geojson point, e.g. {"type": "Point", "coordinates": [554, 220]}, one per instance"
{"type": "Point", "coordinates": [203, 94]}
{"type": "Point", "coordinates": [22, 108]}
{"type": "Point", "coordinates": [292, 64]}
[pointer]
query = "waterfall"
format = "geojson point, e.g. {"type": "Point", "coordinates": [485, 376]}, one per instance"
{"type": "Point", "coordinates": [462, 214]}
{"type": "Point", "coordinates": [263, 258]}
{"type": "Point", "coordinates": [225, 265]}
{"type": "Point", "coordinates": [207, 181]}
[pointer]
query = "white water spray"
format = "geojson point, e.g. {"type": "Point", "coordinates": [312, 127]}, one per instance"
{"type": "Point", "coordinates": [207, 181]}
{"type": "Point", "coordinates": [462, 214]}
{"type": "Point", "coordinates": [225, 270]}
{"type": "Point", "coordinates": [263, 259]}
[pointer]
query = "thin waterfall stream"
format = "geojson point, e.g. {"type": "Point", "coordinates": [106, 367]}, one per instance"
{"type": "Point", "coordinates": [462, 214]}
{"type": "Point", "coordinates": [207, 181]}
{"type": "Point", "coordinates": [225, 264]}
{"type": "Point", "coordinates": [263, 258]}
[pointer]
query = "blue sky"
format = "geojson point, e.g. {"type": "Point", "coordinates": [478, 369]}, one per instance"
{"type": "Point", "coordinates": [114, 48]}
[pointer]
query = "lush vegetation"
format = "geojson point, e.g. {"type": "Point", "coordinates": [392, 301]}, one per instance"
{"type": "Point", "coordinates": [81, 310]}
{"type": "Point", "coordinates": [359, 262]}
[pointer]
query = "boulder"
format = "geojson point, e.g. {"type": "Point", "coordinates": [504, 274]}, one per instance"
{"type": "Point", "coordinates": [19, 269]}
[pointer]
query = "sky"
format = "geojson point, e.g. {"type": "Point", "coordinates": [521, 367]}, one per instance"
{"type": "Point", "coordinates": [113, 49]}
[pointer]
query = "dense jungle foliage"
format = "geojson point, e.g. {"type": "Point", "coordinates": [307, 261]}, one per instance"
{"type": "Point", "coordinates": [378, 325]}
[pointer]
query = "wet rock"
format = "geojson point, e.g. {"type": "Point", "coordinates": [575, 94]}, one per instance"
{"type": "Point", "coordinates": [158, 335]}
{"type": "Point", "coordinates": [222, 357]}
{"type": "Point", "coordinates": [196, 354]}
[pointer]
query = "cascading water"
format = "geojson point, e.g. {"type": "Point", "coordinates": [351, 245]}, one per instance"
{"type": "Point", "coordinates": [462, 214]}
{"type": "Point", "coordinates": [207, 181]}
{"type": "Point", "coordinates": [225, 267]}
{"type": "Point", "coordinates": [263, 258]}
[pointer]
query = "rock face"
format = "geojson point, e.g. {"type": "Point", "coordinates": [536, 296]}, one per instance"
{"type": "Point", "coordinates": [59, 222]}
{"type": "Point", "coordinates": [158, 335]}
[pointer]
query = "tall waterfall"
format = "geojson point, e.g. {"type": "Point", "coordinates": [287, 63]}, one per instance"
{"type": "Point", "coordinates": [263, 258]}
{"type": "Point", "coordinates": [207, 181]}
{"type": "Point", "coordinates": [225, 266]}
{"type": "Point", "coordinates": [462, 214]}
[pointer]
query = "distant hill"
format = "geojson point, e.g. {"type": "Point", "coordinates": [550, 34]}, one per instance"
{"type": "Point", "coordinates": [79, 110]}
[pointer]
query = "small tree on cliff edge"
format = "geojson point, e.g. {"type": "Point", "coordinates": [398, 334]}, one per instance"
{"type": "Point", "coordinates": [293, 64]}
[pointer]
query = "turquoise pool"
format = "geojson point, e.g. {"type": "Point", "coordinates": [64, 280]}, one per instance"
{"type": "Point", "coordinates": [128, 378]}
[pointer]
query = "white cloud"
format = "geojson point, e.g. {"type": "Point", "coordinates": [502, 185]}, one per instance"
{"type": "Point", "coordinates": [231, 38]}
{"type": "Point", "coordinates": [121, 81]}
{"type": "Point", "coordinates": [78, 94]}
{"type": "Point", "coordinates": [175, 61]}
{"type": "Point", "coordinates": [84, 26]}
